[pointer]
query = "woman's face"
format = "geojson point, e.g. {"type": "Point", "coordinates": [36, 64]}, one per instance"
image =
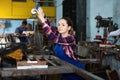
{"type": "Point", "coordinates": [63, 27]}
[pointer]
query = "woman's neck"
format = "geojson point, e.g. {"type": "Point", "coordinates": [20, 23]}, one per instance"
{"type": "Point", "coordinates": [65, 35]}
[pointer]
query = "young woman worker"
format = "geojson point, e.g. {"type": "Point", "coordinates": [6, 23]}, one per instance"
{"type": "Point", "coordinates": [65, 44]}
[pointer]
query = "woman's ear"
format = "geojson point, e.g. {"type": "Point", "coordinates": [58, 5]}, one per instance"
{"type": "Point", "coordinates": [69, 27]}
{"type": "Point", "coordinates": [71, 30]}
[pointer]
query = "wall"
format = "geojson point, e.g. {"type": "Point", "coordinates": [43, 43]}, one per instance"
{"type": "Point", "coordinates": [94, 7]}
{"type": "Point", "coordinates": [59, 11]}
{"type": "Point", "coordinates": [11, 26]}
{"type": "Point", "coordinates": [116, 14]}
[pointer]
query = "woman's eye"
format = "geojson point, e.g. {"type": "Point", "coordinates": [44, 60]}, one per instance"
{"type": "Point", "coordinates": [63, 25]}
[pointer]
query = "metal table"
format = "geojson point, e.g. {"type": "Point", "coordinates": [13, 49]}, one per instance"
{"type": "Point", "coordinates": [62, 67]}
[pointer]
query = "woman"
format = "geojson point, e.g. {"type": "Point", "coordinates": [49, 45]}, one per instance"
{"type": "Point", "coordinates": [65, 44]}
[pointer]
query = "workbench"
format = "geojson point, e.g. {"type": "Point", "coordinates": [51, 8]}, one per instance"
{"type": "Point", "coordinates": [57, 67]}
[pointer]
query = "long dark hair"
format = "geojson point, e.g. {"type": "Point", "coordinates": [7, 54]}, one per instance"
{"type": "Point", "coordinates": [70, 23]}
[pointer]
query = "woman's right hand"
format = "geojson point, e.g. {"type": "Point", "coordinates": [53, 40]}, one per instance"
{"type": "Point", "coordinates": [40, 14]}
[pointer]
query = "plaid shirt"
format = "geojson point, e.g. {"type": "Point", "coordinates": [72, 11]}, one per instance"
{"type": "Point", "coordinates": [68, 43]}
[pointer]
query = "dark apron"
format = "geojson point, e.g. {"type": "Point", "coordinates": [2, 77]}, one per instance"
{"type": "Point", "coordinates": [59, 52]}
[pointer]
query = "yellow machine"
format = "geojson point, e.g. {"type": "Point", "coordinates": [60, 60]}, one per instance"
{"type": "Point", "coordinates": [11, 9]}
